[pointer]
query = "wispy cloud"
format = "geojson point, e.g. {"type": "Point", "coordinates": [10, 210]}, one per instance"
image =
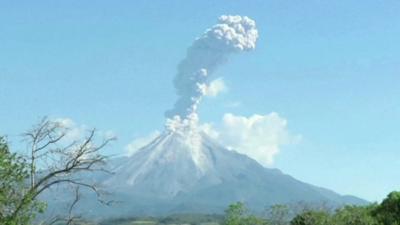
{"type": "Point", "coordinates": [76, 131]}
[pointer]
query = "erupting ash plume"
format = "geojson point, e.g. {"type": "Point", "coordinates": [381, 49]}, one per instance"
{"type": "Point", "coordinates": [232, 34]}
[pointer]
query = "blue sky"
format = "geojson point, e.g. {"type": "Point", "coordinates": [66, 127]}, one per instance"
{"type": "Point", "coordinates": [331, 69]}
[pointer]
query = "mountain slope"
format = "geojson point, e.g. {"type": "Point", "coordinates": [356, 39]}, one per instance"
{"type": "Point", "coordinates": [192, 173]}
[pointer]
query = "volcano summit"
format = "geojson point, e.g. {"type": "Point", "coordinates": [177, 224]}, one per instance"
{"type": "Point", "coordinates": [187, 171]}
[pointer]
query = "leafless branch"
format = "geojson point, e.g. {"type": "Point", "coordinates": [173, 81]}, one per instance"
{"type": "Point", "coordinates": [56, 160]}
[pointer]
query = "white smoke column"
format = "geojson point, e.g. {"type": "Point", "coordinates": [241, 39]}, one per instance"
{"type": "Point", "coordinates": [232, 34]}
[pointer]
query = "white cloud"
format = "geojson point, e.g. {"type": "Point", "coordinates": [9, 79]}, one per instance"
{"type": "Point", "coordinates": [213, 89]}
{"type": "Point", "coordinates": [75, 132]}
{"type": "Point", "coordinates": [258, 136]}
{"type": "Point", "coordinates": [140, 142]}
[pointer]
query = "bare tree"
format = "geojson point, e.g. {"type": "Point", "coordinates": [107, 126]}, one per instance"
{"type": "Point", "coordinates": [57, 158]}
{"type": "Point", "coordinates": [71, 218]}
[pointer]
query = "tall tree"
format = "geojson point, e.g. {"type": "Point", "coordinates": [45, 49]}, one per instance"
{"type": "Point", "coordinates": [312, 218]}
{"type": "Point", "coordinates": [354, 215]}
{"type": "Point", "coordinates": [388, 212]}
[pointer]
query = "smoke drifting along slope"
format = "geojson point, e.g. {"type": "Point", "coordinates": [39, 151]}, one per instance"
{"type": "Point", "coordinates": [232, 34]}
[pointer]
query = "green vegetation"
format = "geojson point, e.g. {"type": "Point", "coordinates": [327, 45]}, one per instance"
{"type": "Point", "coordinates": [195, 219]}
{"type": "Point", "coordinates": [388, 212]}
{"type": "Point", "coordinates": [237, 214]}
{"type": "Point", "coordinates": [350, 215]}
{"type": "Point", "coordinates": [17, 207]}
{"type": "Point", "coordinates": [385, 213]}
{"type": "Point", "coordinates": [311, 218]}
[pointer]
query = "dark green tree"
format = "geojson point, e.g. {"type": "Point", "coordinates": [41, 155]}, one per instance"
{"type": "Point", "coordinates": [355, 215]}
{"type": "Point", "coordinates": [312, 218]}
{"type": "Point", "coordinates": [388, 212]}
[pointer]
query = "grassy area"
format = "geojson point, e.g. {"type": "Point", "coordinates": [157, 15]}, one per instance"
{"type": "Point", "coordinates": [181, 219]}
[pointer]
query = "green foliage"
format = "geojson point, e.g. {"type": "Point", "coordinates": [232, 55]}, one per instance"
{"type": "Point", "coordinates": [234, 214]}
{"type": "Point", "coordinates": [237, 214]}
{"type": "Point", "coordinates": [12, 176]}
{"type": "Point", "coordinates": [312, 218]}
{"type": "Point", "coordinates": [354, 215]}
{"type": "Point", "coordinates": [279, 214]}
{"type": "Point", "coordinates": [190, 218]}
{"type": "Point", "coordinates": [388, 212]}
{"type": "Point", "coordinates": [16, 204]}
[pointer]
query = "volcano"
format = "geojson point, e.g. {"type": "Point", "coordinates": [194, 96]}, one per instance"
{"type": "Point", "coordinates": [181, 171]}
{"type": "Point", "coordinates": [184, 170]}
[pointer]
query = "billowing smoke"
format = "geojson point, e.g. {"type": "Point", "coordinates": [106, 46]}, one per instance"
{"type": "Point", "coordinates": [232, 34]}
